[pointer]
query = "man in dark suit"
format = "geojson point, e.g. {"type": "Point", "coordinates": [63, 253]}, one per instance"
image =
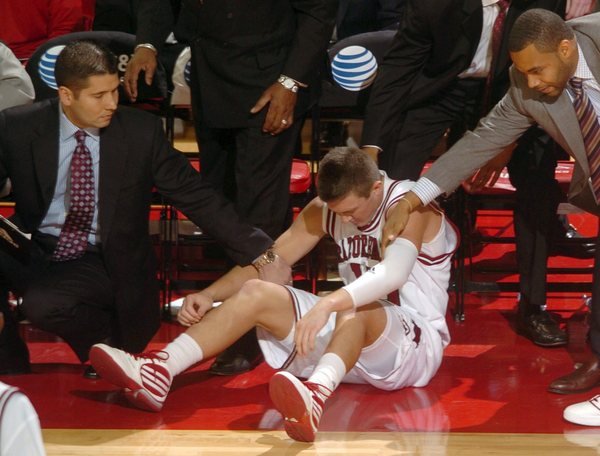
{"type": "Point", "coordinates": [256, 71]}
{"type": "Point", "coordinates": [443, 71]}
{"type": "Point", "coordinates": [91, 271]}
{"type": "Point", "coordinates": [363, 16]}
{"type": "Point", "coordinates": [554, 84]}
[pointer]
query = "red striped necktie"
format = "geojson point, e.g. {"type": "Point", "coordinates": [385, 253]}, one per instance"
{"type": "Point", "coordinates": [590, 129]}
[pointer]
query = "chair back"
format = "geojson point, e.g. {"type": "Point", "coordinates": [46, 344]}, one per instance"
{"type": "Point", "coordinates": [40, 66]}
{"type": "Point", "coordinates": [353, 67]}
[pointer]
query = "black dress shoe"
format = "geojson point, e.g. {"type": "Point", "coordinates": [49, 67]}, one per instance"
{"type": "Point", "coordinates": [566, 244]}
{"type": "Point", "coordinates": [14, 355]}
{"type": "Point", "coordinates": [234, 363]}
{"type": "Point", "coordinates": [542, 330]}
{"type": "Point", "coordinates": [585, 377]}
{"type": "Point", "coordinates": [90, 373]}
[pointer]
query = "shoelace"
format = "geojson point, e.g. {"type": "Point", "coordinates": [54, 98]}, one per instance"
{"type": "Point", "coordinates": [151, 355]}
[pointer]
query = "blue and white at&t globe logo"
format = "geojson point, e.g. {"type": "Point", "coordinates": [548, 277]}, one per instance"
{"type": "Point", "coordinates": [187, 72]}
{"type": "Point", "coordinates": [46, 65]}
{"type": "Point", "coordinates": [354, 68]}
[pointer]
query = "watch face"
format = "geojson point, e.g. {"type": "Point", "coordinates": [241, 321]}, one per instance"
{"type": "Point", "coordinates": [288, 84]}
{"type": "Point", "coordinates": [270, 256]}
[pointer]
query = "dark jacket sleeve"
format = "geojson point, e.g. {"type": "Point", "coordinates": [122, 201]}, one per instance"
{"type": "Point", "coordinates": [155, 20]}
{"type": "Point", "coordinates": [183, 186]}
{"type": "Point", "coordinates": [315, 20]}
{"type": "Point", "coordinates": [408, 54]}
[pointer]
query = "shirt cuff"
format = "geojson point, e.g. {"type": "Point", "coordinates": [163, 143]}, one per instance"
{"type": "Point", "coordinates": [426, 190]}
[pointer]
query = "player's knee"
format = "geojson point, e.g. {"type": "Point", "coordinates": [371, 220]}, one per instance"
{"type": "Point", "coordinates": [256, 294]}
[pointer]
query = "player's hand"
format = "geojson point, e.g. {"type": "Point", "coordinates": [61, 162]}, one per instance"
{"type": "Point", "coordinates": [578, 8]}
{"type": "Point", "coordinates": [194, 307]}
{"type": "Point", "coordinates": [143, 59]}
{"type": "Point", "coordinates": [279, 272]}
{"type": "Point", "coordinates": [280, 114]}
{"type": "Point", "coordinates": [309, 326]}
{"type": "Point", "coordinates": [488, 174]}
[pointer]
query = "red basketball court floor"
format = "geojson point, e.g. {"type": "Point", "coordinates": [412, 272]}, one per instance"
{"type": "Point", "coordinates": [491, 381]}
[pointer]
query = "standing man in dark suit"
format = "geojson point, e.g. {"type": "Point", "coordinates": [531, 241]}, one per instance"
{"type": "Point", "coordinates": [447, 64]}
{"type": "Point", "coordinates": [555, 83]}
{"type": "Point", "coordinates": [82, 171]}
{"type": "Point", "coordinates": [255, 73]}
{"type": "Point", "coordinates": [363, 16]}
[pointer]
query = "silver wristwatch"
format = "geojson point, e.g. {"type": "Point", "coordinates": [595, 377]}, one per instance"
{"type": "Point", "coordinates": [288, 83]}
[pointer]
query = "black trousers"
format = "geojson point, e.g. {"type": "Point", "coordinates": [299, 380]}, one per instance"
{"type": "Point", "coordinates": [531, 170]}
{"type": "Point", "coordinates": [594, 333]}
{"type": "Point", "coordinates": [72, 299]}
{"type": "Point", "coordinates": [253, 169]}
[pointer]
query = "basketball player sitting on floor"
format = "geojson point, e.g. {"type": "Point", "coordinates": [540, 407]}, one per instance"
{"type": "Point", "coordinates": [386, 326]}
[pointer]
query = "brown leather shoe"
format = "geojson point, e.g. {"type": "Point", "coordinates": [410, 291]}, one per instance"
{"type": "Point", "coordinates": [585, 377]}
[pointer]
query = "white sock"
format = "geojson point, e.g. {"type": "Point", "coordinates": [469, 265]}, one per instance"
{"type": "Point", "coordinates": [329, 371]}
{"type": "Point", "coordinates": [183, 352]}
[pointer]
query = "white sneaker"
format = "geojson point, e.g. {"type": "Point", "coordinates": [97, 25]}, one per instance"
{"type": "Point", "coordinates": [144, 377]}
{"type": "Point", "coordinates": [300, 403]}
{"type": "Point", "coordinates": [585, 413]}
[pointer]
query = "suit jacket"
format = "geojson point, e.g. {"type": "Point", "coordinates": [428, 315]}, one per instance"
{"type": "Point", "coordinates": [363, 16]}
{"type": "Point", "coordinates": [520, 108]}
{"type": "Point", "coordinates": [436, 41]}
{"type": "Point", "coordinates": [135, 157]}
{"type": "Point", "coordinates": [239, 48]}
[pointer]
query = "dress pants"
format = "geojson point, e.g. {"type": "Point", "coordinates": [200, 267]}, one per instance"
{"type": "Point", "coordinates": [253, 169]}
{"type": "Point", "coordinates": [531, 170]}
{"type": "Point", "coordinates": [72, 299]}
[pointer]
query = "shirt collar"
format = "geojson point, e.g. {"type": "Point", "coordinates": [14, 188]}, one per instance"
{"type": "Point", "coordinates": [68, 128]}
{"type": "Point", "coordinates": [485, 3]}
{"type": "Point", "coordinates": [583, 70]}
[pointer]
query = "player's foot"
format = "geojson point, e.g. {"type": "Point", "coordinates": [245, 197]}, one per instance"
{"type": "Point", "coordinates": [300, 403]}
{"type": "Point", "coordinates": [144, 377]}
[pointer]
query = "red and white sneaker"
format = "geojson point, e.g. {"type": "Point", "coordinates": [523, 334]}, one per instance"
{"type": "Point", "coordinates": [300, 403]}
{"type": "Point", "coordinates": [144, 377]}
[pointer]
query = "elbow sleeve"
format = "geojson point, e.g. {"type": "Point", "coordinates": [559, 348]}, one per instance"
{"type": "Point", "coordinates": [389, 275]}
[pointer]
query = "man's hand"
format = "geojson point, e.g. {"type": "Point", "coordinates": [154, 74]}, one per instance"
{"type": "Point", "coordinates": [398, 218]}
{"type": "Point", "coordinates": [578, 8]}
{"type": "Point", "coordinates": [279, 272]}
{"type": "Point", "coordinates": [143, 59]}
{"type": "Point", "coordinates": [309, 326]}
{"type": "Point", "coordinates": [280, 115]}
{"type": "Point", "coordinates": [194, 307]}
{"type": "Point", "coordinates": [489, 173]}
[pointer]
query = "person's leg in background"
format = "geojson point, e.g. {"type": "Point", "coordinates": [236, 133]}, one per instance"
{"type": "Point", "coordinates": [532, 169]}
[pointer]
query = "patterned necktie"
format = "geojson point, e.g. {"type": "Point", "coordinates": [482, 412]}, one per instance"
{"type": "Point", "coordinates": [590, 130]}
{"type": "Point", "coordinates": [497, 31]}
{"type": "Point", "coordinates": [72, 242]}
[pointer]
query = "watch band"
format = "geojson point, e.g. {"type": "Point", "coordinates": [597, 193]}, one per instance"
{"type": "Point", "coordinates": [147, 46]}
{"type": "Point", "coordinates": [288, 83]}
{"type": "Point", "coordinates": [267, 257]}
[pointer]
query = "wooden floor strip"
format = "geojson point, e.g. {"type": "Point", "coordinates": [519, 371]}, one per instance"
{"type": "Point", "coordinates": [92, 442]}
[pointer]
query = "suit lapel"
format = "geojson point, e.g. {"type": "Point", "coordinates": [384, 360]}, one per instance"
{"type": "Point", "coordinates": [472, 22]}
{"type": "Point", "coordinates": [113, 155]}
{"type": "Point", "coordinates": [45, 155]}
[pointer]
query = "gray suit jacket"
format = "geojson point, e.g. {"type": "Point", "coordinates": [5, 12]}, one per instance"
{"type": "Point", "coordinates": [520, 108]}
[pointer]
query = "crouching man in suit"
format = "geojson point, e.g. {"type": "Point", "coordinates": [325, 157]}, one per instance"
{"type": "Point", "coordinates": [82, 170]}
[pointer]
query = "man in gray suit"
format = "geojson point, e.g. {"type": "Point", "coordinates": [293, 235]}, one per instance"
{"type": "Point", "coordinates": [553, 61]}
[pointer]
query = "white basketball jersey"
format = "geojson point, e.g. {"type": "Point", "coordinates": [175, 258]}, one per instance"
{"type": "Point", "coordinates": [425, 295]}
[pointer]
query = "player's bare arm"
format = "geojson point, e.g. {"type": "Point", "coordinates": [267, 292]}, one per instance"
{"type": "Point", "coordinates": [292, 245]}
